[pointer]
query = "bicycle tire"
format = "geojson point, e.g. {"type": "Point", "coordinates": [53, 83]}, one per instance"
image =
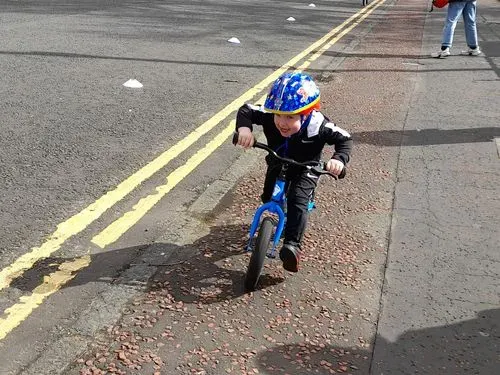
{"type": "Point", "coordinates": [259, 253]}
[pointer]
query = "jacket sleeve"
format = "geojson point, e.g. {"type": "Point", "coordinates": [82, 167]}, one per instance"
{"type": "Point", "coordinates": [249, 114]}
{"type": "Point", "coordinates": [340, 139]}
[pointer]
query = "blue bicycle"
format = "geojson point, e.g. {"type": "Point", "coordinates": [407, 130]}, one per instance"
{"type": "Point", "coordinates": [269, 229]}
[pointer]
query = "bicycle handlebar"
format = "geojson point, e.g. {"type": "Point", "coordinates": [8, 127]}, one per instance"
{"type": "Point", "coordinates": [317, 167]}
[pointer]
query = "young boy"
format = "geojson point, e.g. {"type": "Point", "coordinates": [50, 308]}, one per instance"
{"type": "Point", "coordinates": [294, 128]}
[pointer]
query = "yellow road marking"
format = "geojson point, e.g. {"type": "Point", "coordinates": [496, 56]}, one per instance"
{"type": "Point", "coordinates": [52, 283]}
{"type": "Point", "coordinates": [114, 231]}
{"type": "Point", "coordinates": [67, 270]}
{"type": "Point", "coordinates": [327, 45]}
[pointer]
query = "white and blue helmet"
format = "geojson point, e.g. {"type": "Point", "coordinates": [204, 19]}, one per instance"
{"type": "Point", "coordinates": [293, 94]}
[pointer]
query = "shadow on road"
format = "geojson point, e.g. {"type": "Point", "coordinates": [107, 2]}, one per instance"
{"type": "Point", "coordinates": [206, 271]}
{"type": "Point", "coordinates": [70, 55]}
{"type": "Point", "coordinates": [425, 137]}
{"type": "Point", "coordinates": [468, 347]}
{"type": "Point", "coordinates": [214, 273]}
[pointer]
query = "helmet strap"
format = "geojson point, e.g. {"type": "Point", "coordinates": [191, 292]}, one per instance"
{"type": "Point", "coordinates": [305, 120]}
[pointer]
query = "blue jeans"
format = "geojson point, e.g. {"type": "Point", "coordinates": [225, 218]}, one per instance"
{"type": "Point", "coordinates": [455, 9]}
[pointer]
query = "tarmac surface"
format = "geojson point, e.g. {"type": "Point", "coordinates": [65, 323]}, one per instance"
{"type": "Point", "coordinates": [402, 263]}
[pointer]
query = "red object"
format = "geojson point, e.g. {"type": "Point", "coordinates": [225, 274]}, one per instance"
{"type": "Point", "coordinates": [440, 3]}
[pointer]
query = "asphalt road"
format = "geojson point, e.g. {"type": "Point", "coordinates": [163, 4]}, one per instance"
{"type": "Point", "coordinates": [71, 132]}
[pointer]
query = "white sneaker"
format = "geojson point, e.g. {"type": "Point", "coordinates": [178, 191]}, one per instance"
{"type": "Point", "coordinates": [441, 54]}
{"type": "Point", "coordinates": [474, 52]}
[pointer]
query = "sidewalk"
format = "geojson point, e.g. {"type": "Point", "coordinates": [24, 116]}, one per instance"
{"type": "Point", "coordinates": [441, 303]}
{"type": "Point", "coordinates": [399, 223]}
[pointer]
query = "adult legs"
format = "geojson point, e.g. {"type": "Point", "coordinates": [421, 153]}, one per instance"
{"type": "Point", "coordinates": [454, 11]}
{"type": "Point", "coordinates": [469, 14]}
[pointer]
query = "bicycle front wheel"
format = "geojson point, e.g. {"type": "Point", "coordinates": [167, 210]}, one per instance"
{"type": "Point", "coordinates": [259, 253]}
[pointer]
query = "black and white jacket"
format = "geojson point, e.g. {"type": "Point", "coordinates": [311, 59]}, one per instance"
{"type": "Point", "coordinates": [305, 145]}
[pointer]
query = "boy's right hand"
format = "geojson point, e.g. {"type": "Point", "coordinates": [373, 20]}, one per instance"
{"type": "Point", "coordinates": [245, 137]}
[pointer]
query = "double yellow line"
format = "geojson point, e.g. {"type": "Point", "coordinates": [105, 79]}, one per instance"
{"type": "Point", "coordinates": [15, 314]}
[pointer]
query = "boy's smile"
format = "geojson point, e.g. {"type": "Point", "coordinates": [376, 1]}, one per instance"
{"type": "Point", "coordinates": [287, 125]}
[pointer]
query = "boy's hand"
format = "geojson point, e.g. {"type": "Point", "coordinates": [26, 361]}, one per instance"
{"type": "Point", "coordinates": [334, 166]}
{"type": "Point", "coordinates": [245, 137]}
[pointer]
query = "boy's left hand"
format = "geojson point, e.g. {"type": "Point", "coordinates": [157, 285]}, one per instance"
{"type": "Point", "coordinates": [334, 166]}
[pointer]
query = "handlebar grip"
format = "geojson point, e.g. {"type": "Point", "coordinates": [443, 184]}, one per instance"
{"type": "Point", "coordinates": [255, 143]}
{"type": "Point", "coordinates": [324, 171]}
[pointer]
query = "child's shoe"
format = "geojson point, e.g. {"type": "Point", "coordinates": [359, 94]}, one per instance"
{"type": "Point", "coordinates": [290, 255]}
{"type": "Point", "coordinates": [441, 54]}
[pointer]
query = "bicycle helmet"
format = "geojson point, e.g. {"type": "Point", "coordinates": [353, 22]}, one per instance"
{"type": "Point", "coordinates": [293, 94]}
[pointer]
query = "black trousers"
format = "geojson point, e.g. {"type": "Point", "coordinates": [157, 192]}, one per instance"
{"type": "Point", "coordinates": [301, 185]}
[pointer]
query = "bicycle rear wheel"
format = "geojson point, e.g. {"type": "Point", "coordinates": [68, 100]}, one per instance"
{"type": "Point", "coordinates": [259, 253]}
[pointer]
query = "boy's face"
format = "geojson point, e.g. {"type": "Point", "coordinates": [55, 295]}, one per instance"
{"type": "Point", "coordinates": [287, 125]}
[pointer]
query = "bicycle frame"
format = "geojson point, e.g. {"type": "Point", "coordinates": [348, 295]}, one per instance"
{"type": "Point", "coordinates": [275, 206]}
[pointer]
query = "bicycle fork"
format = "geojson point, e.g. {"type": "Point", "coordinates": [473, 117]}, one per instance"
{"type": "Point", "coordinates": [274, 206]}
